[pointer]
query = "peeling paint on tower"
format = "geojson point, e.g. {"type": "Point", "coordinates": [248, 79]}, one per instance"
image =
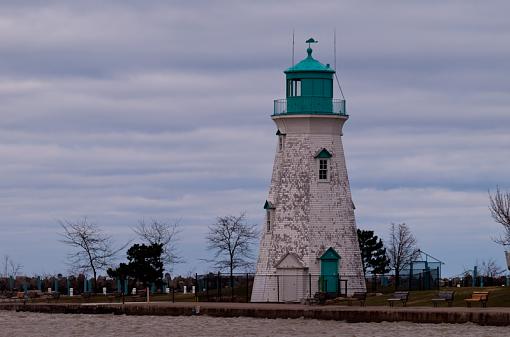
{"type": "Point", "coordinates": [309, 240]}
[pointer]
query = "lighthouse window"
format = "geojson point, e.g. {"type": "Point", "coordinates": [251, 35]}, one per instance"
{"type": "Point", "coordinates": [323, 169]}
{"type": "Point", "coordinates": [268, 220]}
{"type": "Point", "coordinates": [293, 88]}
{"type": "Point", "coordinates": [281, 142]}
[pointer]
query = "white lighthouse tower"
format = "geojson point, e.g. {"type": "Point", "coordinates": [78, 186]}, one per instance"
{"type": "Point", "coordinates": [309, 241]}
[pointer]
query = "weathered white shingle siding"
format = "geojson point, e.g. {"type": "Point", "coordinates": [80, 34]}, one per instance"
{"type": "Point", "coordinates": [310, 215]}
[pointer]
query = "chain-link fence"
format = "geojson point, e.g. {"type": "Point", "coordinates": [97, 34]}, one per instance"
{"type": "Point", "coordinates": [428, 279]}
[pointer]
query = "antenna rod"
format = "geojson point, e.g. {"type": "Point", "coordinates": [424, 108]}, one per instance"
{"type": "Point", "coordinates": [334, 56]}
{"type": "Point", "coordinates": [334, 47]}
{"type": "Point", "coordinates": [292, 47]}
{"type": "Point", "coordinates": [339, 86]}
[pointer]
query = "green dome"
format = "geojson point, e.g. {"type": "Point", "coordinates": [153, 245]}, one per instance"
{"type": "Point", "coordinates": [309, 64]}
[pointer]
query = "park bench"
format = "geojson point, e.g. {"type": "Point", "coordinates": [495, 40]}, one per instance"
{"type": "Point", "coordinates": [54, 295]}
{"type": "Point", "coordinates": [22, 296]}
{"type": "Point", "coordinates": [399, 296]}
{"type": "Point", "coordinates": [318, 298]}
{"type": "Point", "coordinates": [7, 295]}
{"type": "Point", "coordinates": [141, 295]}
{"type": "Point", "coordinates": [444, 296]}
{"type": "Point", "coordinates": [361, 297]}
{"type": "Point", "coordinates": [478, 296]}
{"type": "Point", "coordinates": [86, 295]}
{"type": "Point", "coordinates": [114, 297]}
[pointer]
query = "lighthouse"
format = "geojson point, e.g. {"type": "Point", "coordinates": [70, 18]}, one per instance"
{"type": "Point", "coordinates": [309, 242]}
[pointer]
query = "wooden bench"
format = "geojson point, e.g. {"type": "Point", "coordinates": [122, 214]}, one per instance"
{"type": "Point", "coordinates": [478, 296]}
{"type": "Point", "coordinates": [114, 297]}
{"type": "Point", "coordinates": [22, 296]}
{"type": "Point", "coordinates": [399, 296]}
{"type": "Point", "coordinates": [318, 298]}
{"type": "Point", "coordinates": [86, 295]}
{"type": "Point", "coordinates": [357, 296]}
{"type": "Point", "coordinates": [54, 295]}
{"type": "Point", "coordinates": [444, 296]}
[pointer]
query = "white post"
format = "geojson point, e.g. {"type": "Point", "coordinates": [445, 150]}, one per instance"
{"type": "Point", "coordinates": [133, 291]}
{"type": "Point", "coordinates": [193, 289]}
{"type": "Point", "coordinates": [185, 290]}
{"type": "Point", "coordinates": [148, 295]}
{"type": "Point", "coordinates": [167, 290]}
{"type": "Point", "coordinates": [71, 292]}
{"type": "Point", "coordinates": [104, 291]}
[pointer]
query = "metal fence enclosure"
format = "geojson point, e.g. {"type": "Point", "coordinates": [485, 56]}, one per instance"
{"type": "Point", "coordinates": [299, 287]}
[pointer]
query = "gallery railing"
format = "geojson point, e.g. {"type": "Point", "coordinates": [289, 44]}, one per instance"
{"type": "Point", "coordinates": [309, 105]}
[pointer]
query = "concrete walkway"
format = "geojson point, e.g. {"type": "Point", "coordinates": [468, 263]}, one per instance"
{"type": "Point", "coordinates": [482, 316]}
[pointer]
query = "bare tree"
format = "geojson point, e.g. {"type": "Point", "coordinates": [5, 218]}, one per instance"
{"type": "Point", "coordinates": [490, 268]}
{"type": "Point", "coordinates": [166, 234]}
{"type": "Point", "coordinates": [402, 249]}
{"type": "Point", "coordinates": [9, 267]}
{"type": "Point", "coordinates": [231, 239]}
{"type": "Point", "coordinates": [499, 205]}
{"type": "Point", "coordinates": [93, 249]}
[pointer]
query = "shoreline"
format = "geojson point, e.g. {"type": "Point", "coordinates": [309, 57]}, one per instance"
{"type": "Point", "coordinates": [495, 316]}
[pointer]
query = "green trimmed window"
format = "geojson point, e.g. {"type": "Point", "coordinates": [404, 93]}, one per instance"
{"type": "Point", "coordinates": [269, 207]}
{"type": "Point", "coordinates": [323, 169]}
{"type": "Point", "coordinates": [268, 219]}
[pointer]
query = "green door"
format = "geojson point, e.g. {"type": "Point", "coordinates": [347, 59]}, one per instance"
{"type": "Point", "coordinates": [329, 271]}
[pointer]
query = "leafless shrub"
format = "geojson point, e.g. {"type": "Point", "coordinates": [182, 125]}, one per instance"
{"type": "Point", "coordinates": [490, 268]}
{"type": "Point", "coordinates": [93, 249]}
{"type": "Point", "coordinates": [166, 234]}
{"type": "Point", "coordinates": [402, 248]}
{"type": "Point", "coordinates": [231, 239]}
{"type": "Point", "coordinates": [10, 267]}
{"type": "Point", "coordinates": [499, 206]}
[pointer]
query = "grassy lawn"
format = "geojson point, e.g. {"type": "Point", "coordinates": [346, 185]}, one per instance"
{"type": "Point", "coordinates": [179, 297]}
{"type": "Point", "coordinates": [498, 297]}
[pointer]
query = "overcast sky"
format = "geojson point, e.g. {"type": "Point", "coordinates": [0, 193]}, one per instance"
{"type": "Point", "coordinates": [129, 110]}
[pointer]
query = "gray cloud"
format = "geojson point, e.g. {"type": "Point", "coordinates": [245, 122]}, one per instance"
{"type": "Point", "coordinates": [121, 110]}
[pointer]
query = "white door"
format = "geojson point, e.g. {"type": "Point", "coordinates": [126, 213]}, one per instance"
{"type": "Point", "coordinates": [291, 285]}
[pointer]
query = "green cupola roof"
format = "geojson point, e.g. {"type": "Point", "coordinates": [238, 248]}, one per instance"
{"type": "Point", "coordinates": [309, 90]}
{"type": "Point", "coordinates": [309, 63]}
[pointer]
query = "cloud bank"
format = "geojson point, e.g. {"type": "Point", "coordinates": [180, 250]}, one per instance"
{"type": "Point", "coordinates": [123, 110]}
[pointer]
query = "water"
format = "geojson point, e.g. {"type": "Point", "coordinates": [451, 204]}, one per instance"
{"type": "Point", "coordinates": [24, 324]}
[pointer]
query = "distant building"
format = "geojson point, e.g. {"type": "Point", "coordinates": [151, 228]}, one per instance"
{"type": "Point", "coordinates": [309, 241]}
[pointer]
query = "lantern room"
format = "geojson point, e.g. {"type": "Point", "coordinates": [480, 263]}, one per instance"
{"type": "Point", "coordinates": [309, 88]}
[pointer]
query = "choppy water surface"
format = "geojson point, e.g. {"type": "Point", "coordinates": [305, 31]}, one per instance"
{"type": "Point", "coordinates": [21, 324]}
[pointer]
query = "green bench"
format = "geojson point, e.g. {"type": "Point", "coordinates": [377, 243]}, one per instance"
{"type": "Point", "coordinates": [444, 296]}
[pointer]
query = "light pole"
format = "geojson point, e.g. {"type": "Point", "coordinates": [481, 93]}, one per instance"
{"type": "Point", "coordinates": [507, 256]}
